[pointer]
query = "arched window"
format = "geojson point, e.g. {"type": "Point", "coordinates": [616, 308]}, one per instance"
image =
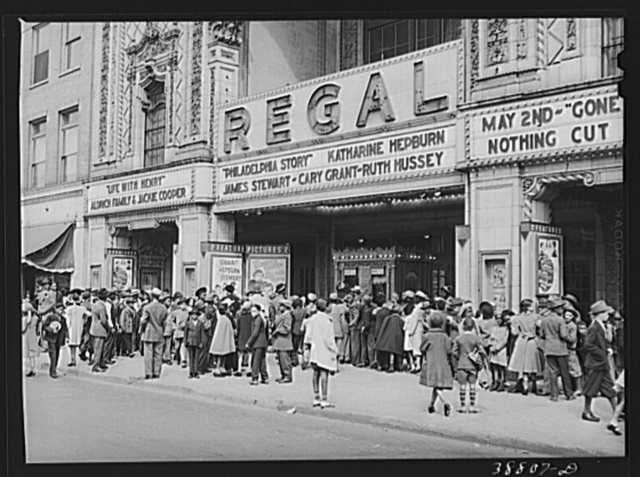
{"type": "Point", "coordinates": [154, 130]}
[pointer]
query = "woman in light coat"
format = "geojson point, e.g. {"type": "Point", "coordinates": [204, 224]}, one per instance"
{"type": "Point", "coordinates": [413, 330]}
{"type": "Point", "coordinates": [321, 351]}
{"type": "Point", "coordinates": [223, 342]}
{"type": "Point", "coordinates": [30, 347]}
{"type": "Point", "coordinates": [76, 314]}
{"type": "Point", "coordinates": [524, 359]}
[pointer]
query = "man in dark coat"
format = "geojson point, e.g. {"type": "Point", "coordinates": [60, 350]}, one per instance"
{"type": "Point", "coordinates": [54, 330]}
{"type": "Point", "coordinates": [596, 363]}
{"type": "Point", "coordinates": [98, 331]}
{"type": "Point", "coordinates": [355, 328]}
{"type": "Point", "coordinates": [258, 342]}
{"type": "Point", "coordinates": [154, 316]}
{"type": "Point", "coordinates": [367, 336]}
{"type": "Point", "coordinates": [553, 330]}
{"type": "Point", "coordinates": [209, 320]}
{"type": "Point", "coordinates": [390, 341]}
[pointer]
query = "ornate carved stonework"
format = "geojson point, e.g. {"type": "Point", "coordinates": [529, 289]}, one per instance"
{"type": "Point", "coordinates": [349, 44]}
{"type": "Point", "coordinates": [522, 44]}
{"type": "Point", "coordinates": [555, 40]}
{"type": "Point", "coordinates": [212, 99]}
{"type": "Point", "coordinates": [572, 34]}
{"type": "Point", "coordinates": [196, 77]}
{"type": "Point", "coordinates": [534, 187]}
{"type": "Point", "coordinates": [227, 32]}
{"type": "Point", "coordinates": [152, 251]}
{"type": "Point", "coordinates": [474, 51]}
{"type": "Point", "coordinates": [172, 67]}
{"type": "Point", "coordinates": [104, 91]}
{"type": "Point", "coordinates": [497, 41]}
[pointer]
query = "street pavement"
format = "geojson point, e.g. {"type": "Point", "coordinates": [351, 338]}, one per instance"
{"type": "Point", "coordinates": [73, 420]}
{"type": "Point", "coordinates": [532, 424]}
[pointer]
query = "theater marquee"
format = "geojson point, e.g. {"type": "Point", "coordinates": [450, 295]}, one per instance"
{"type": "Point", "coordinates": [566, 124]}
{"type": "Point", "coordinates": [383, 122]}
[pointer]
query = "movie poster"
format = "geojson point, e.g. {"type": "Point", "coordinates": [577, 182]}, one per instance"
{"type": "Point", "coordinates": [227, 270]}
{"type": "Point", "coordinates": [264, 274]}
{"type": "Point", "coordinates": [122, 275]}
{"type": "Point", "coordinates": [548, 270]}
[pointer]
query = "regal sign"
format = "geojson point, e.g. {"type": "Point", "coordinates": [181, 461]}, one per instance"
{"type": "Point", "coordinates": [394, 91]}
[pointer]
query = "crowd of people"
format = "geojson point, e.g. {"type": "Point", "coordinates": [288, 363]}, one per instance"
{"type": "Point", "coordinates": [441, 339]}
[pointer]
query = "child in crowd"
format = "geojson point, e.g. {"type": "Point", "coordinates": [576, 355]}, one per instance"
{"type": "Point", "coordinates": [570, 316]}
{"type": "Point", "coordinates": [194, 339]}
{"type": "Point", "coordinates": [498, 338]}
{"type": "Point", "coordinates": [467, 371]}
{"type": "Point", "coordinates": [436, 350]}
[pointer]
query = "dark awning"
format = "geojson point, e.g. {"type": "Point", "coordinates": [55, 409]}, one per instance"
{"type": "Point", "coordinates": [49, 247]}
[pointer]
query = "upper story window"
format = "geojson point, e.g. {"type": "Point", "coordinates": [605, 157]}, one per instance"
{"type": "Point", "coordinates": [612, 45]}
{"type": "Point", "coordinates": [154, 136]}
{"type": "Point", "coordinates": [388, 38]}
{"type": "Point", "coordinates": [69, 145]}
{"type": "Point", "coordinates": [38, 130]}
{"type": "Point", "coordinates": [40, 53]}
{"type": "Point", "coordinates": [71, 46]}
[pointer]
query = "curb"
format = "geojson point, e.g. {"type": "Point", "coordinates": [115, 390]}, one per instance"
{"type": "Point", "coordinates": [385, 422]}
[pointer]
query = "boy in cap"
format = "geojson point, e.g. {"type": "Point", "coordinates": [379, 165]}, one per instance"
{"type": "Point", "coordinates": [194, 338]}
{"type": "Point", "coordinates": [282, 340]}
{"type": "Point", "coordinates": [127, 318]}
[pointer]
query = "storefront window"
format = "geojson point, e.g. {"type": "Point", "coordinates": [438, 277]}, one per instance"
{"type": "Point", "coordinates": [388, 38]}
{"type": "Point", "coordinates": [155, 125]}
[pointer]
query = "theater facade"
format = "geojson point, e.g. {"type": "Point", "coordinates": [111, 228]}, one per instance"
{"type": "Point", "coordinates": [489, 164]}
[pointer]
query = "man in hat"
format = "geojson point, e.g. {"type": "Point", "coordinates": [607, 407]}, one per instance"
{"type": "Point", "coordinates": [86, 345]}
{"type": "Point", "coordinates": [126, 322]}
{"type": "Point", "coordinates": [209, 319]}
{"type": "Point", "coordinates": [55, 333]}
{"type": "Point", "coordinates": [110, 342]}
{"type": "Point", "coordinates": [201, 293]}
{"type": "Point", "coordinates": [543, 310]}
{"type": "Point", "coordinates": [367, 331]}
{"type": "Point", "coordinates": [553, 330]}
{"type": "Point", "coordinates": [339, 312]}
{"type": "Point", "coordinates": [282, 340]}
{"type": "Point", "coordinates": [154, 317]}
{"type": "Point", "coordinates": [46, 301]}
{"type": "Point", "coordinates": [98, 331]}
{"type": "Point", "coordinates": [355, 333]}
{"type": "Point", "coordinates": [598, 378]}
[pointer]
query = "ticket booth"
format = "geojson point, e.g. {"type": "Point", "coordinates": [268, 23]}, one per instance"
{"type": "Point", "coordinates": [382, 271]}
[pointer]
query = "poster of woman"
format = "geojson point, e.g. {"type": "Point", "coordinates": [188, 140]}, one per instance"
{"type": "Point", "coordinates": [265, 273]}
{"type": "Point", "coordinates": [548, 269]}
{"type": "Point", "coordinates": [122, 273]}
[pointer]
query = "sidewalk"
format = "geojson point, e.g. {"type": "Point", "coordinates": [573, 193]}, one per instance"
{"type": "Point", "coordinates": [395, 400]}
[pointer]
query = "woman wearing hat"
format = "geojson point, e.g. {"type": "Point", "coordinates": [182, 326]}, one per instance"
{"type": "Point", "coordinates": [570, 315]}
{"type": "Point", "coordinates": [436, 351]}
{"type": "Point", "coordinates": [390, 341]}
{"type": "Point", "coordinates": [76, 315]}
{"type": "Point", "coordinates": [223, 341]}
{"type": "Point", "coordinates": [524, 359]}
{"type": "Point", "coordinates": [30, 346]}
